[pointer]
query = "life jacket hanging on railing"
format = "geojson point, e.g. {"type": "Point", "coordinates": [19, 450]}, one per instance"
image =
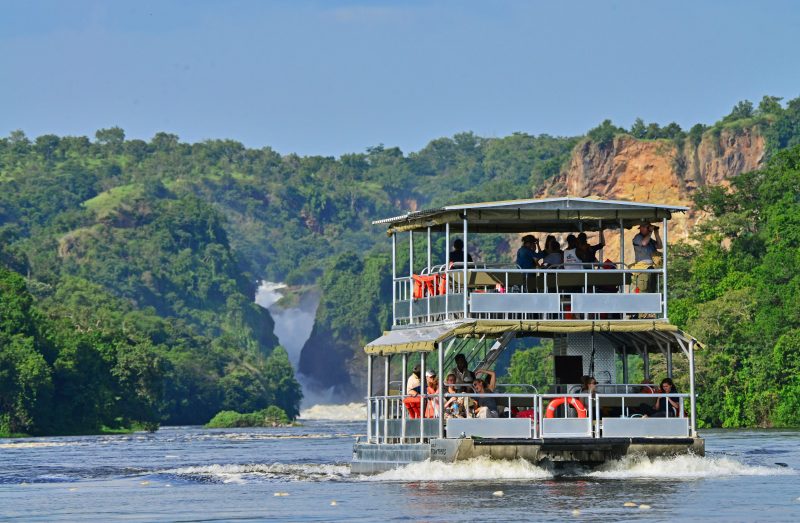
{"type": "Point", "coordinates": [424, 286]}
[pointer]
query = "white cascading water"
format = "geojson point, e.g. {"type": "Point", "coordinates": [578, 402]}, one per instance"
{"type": "Point", "coordinates": [293, 328]}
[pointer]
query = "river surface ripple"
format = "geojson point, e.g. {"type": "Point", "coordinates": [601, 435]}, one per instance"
{"type": "Point", "coordinates": [302, 473]}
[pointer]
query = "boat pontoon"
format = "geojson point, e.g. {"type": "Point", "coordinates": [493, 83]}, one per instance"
{"type": "Point", "coordinates": [604, 319]}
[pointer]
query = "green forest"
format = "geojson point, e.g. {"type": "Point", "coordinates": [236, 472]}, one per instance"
{"type": "Point", "coordinates": [128, 267]}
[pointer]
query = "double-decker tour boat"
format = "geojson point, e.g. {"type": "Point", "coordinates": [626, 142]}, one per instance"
{"type": "Point", "coordinates": [607, 320]}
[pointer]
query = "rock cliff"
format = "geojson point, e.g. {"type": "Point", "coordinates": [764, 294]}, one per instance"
{"type": "Point", "coordinates": [657, 171]}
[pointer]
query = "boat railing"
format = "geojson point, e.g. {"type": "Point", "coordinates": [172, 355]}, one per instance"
{"type": "Point", "coordinates": [551, 415]}
{"type": "Point", "coordinates": [607, 290]}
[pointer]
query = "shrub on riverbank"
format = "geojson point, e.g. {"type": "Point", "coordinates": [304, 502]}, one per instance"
{"type": "Point", "coordinates": [272, 416]}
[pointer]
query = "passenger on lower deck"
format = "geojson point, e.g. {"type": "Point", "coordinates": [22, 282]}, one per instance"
{"type": "Point", "coordinates": [462, 372]}
{"type": "Point", "coordinates": [432, 401]}
{"type": "Point", "coordinates": [412, 402]}
{"type": "Point", "coordinates": [486, 407]}
{"type": "Point", "coordinates": [665, 403]}
{"type": "Point", "coordinates": [453, 407]}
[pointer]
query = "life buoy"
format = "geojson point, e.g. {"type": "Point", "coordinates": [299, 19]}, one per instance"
{"type": "Point", "coordinates": [573, 402]}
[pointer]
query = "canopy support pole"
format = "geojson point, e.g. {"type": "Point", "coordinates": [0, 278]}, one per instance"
{"type": "Point", "coordinates": [664, 266]}
{"type": "Point", "coordinates": [411, 277]}
{"type": "Point", "coordinates": [692, 401]}
{"type": "Point", "coordinates": [394, 278]}
{"type": "Point", "coordinates": [447, 270]}
{"type": "Point", "coordinates": [646, 363]}
{"type": "Point", "coordinates": [621, 244]}
{"type": "Point", "coordinates": [428, 296]}
{"type": "Point", "coordinates": [423, 390]}
{"type": "Point", "coordinates": [370, 360]}
{"type": "Point", "coordinates": [404, 389]}
{"type": "Point", "coordinates": [466, 275]}
{"type": "Point", "coordinates": [440, 348]}
{"type": "Point", "coordinates": [386, 373]}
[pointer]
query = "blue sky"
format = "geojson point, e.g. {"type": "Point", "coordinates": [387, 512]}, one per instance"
{"type": "Point", "coordinates": [331, 77]}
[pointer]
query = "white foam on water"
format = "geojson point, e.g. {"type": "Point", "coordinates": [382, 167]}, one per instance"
{"type": "Point", "coordinates": [355, 411]}
{"type": "Point", "coordinates": [264, 471]}
{"type": "Point", "coordinates": [33, 444]}
{"type": "Point", "coordinates": [477, 469]}
{"type": "Point", "coordinates": [683, 467]}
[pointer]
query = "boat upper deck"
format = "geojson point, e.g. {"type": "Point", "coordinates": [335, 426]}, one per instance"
{"type": "Point", "coordinates": [452, 289]}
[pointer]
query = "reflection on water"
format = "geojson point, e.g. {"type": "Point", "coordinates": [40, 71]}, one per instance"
{"type": "Point", "coordinates": [296, 473]}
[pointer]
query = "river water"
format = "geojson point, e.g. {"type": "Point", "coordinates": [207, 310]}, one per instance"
{"type": "Point", "coordinates": [302, 474]}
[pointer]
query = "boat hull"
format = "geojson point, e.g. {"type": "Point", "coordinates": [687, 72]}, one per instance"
{"type": "Point", "coordinates": [371, 458]}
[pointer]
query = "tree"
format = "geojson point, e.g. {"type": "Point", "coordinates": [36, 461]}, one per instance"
{"type": "Point", "coordinates": [113, 137]}
{"type": "Point", "coordinates": [770, 105]}
{"type": "Point", "coordinates": [743, 109]}
{"type": "Point", "coordinates": [638, 129]}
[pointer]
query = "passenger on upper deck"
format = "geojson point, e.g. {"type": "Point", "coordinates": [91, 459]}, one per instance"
{"type": "Point", "coordinates": [486, 407]}
{"type": "Point", "coordinates": [457, 254]}
{"type": "Point", "coordinates": [588, 253]}
{"type": "Point", "coordinates": [571, 260]}
{"type": "Point", "coordinates": [461, 372]}
{"type": "Point", "coordinates": [529, 253]}
{"type": "Point", "coordinates": [553, 253]}
{"type": "Point", "coordinates": [646, 243]}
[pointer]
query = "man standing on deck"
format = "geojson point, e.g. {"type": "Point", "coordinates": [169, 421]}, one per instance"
{"type": "Point", "coordinates": [646, 243]}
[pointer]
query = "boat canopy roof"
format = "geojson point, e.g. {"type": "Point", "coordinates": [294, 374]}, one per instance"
{"type": "Point", "coordinates": [650, 335]}
{"type": "Point", "coordinates": [566, 214]}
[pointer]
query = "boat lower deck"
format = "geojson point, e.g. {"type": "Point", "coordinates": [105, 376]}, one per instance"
{"type": "Point", "coordinates": [371, 458]}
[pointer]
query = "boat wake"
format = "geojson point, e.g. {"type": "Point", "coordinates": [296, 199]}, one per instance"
{"type": "Point", "coordinates": [261, 472]}
{"type": "Point", "coordinates": [683, 467]}
{"type": "Point", "coordinates": [477, 469]}
{"type": "Point", "coordinates": [347, 412]}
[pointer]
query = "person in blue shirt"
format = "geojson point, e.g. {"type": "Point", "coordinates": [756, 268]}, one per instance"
{"type": "Point", "coordinates": [529, 253]}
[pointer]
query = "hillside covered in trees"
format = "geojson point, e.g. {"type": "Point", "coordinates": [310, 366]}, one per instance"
{"type": "Point", "coordinates": [129, 266]}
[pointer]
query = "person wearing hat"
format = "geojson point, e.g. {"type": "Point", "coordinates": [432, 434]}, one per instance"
{"type": "Point", "coordinates": [646, 243]}
{"type": "Point", "coordinates": [529, 253]}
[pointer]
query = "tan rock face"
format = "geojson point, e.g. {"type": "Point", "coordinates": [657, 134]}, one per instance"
{"type": "Point", "coordinates": [657, 171]}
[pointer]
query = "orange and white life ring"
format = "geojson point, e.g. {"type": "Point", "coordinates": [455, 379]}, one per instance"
{"type": "Point", "coordinates": [573, 402]}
